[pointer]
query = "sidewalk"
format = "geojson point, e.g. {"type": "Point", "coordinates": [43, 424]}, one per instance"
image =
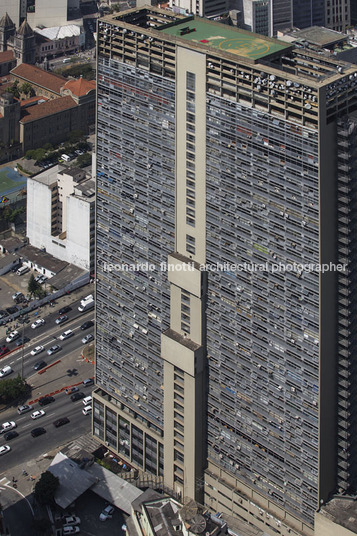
{"type": "Point", "coordinates": [25, 483]}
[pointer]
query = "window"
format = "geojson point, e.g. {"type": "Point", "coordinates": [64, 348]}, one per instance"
{"type": "Point", "coordinates": [190, 81]}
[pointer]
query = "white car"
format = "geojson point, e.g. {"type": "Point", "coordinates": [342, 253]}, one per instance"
{"type": "Point", "coordinates": [71, 520]}
{"type": "Point", "coordinates": [37, 350]}
{"type": "Point", "coordinates": [87, 338]}
{"type": "Point", "coordinates": [39, 322]}
{"type": "Point", "coordinates": [13, 336]}
{"type": "Point", "coordinates": [70, 529]}
{"type": "Point", "coordinates": [66, 334]}
{"type": "Point", "coordinates": [5, 371]}
{"type": "Point", "coordinates": [107, 513]}
{"type": "Point", "coordinates": [37, 414]}
{"type": "Point", "coordinates": [4, 449]}
{"type": "Point", "coordinates": [6, 426]}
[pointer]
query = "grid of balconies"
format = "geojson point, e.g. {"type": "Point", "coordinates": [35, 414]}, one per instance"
{"type": "Point", "coordinates": [262, 326]}
{"type": "Point", "coordinates": [347, 344]}
{"type": "Point", "coordinates": [135, 228]}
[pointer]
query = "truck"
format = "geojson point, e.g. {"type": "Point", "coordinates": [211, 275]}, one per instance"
{"type": "Point", "coordinates": [86, 304]}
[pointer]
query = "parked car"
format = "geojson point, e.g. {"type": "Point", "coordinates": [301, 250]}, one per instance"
{"type": "Point", "coordinates": [4, 350]}
{"type": "Point", "coordinates": [66, 334]}
{"type": "Point", "coordinates": [54, 349]}
{"type": "Point", "coordinates": [61, 319]}
{"type": "Point", "coordinates": [16, 267]}
{"type": "Point", "coordinates": [38, 414]}
{"type": "Point", "coordinates": [12, 310]}
{"type": "Point", "coordinates": [4, 449]}
{"type": "Point", "coordinates": [87, 338]}
{"type": "Point", "coordinates": [10, 435]}
{"type": "Point", "coordinates": [38, 431]}
{"type": "Point", "coordinates": [13, 336]}
{"type": "Point", "coordinates": [64, 310]}
{"type": "Point", "coordinates": [107, 513]}
{"type": "Point", "coordinates": [72, 520]}
{"type": "Point", "coordinates": [88, 382]}
{"type": "Point", "coordinates": [70, 529]}
{"type": "Point", "coordinates": [22, 341]}
{"type": "Point", "coordinates": [43, 279]}
{"type": "Point", "coordinates": [5, 371]}
{"type": "Point", "coordinates": [61, 422]}
{"type": "Point", "coordinates": [45, 400]}
{"type": "Point", "coordinates": [86, 410]}
{"type": "Point", "coordinates": [87, 324]}
{"type": "Point", "coordinates": [24, 409]}
{"type": "Point", "coordinates": [17, 295]}
{"type": "Point", "coordinates": [71, 390]}
{"type": "Point", "coordinates": [77, 396]}
{"type": "Point", "coordinates": [39, 322]}
{"type": "Point", "coordinates": [37, 350]}
{"type": "Point", "coordinates": [40, 365]}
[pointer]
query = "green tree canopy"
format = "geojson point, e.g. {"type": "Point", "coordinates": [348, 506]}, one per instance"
{"type": "Point", "coordinates": [33, 286]}
{"type": "Point", "coordinates": [11, 389]}
{"type": "Point", "coordinates": [46, 487]}
{"type": "Point", "coordinates": [75, 136]}
{"type": "Point", "coordinates": [27, 89]}
{"type": "Point", "coordinates": [84, 160]}
{"type": "Point", "coordinates": [14, 89]}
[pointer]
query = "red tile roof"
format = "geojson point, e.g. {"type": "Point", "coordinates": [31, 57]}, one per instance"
{"type": "Point", "coordinates": [32, 113]}
{"type": "Point", "coordinates": [80, 87]}
{"type": "Point", "coordinates": [27, 102]}
{"type": "Point", "coordinates": [8, 55]}
{"type": "Point", "coordinates": [39, 77]}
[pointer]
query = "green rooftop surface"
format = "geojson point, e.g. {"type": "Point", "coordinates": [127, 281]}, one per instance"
{"type": "Point", "coordinates": [226, 38]}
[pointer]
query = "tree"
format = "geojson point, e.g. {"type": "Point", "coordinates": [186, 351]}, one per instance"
{"type": "Point", "coordinates": [11, 389]}
{"type": "Point", "coordinates": [33, 286]}
{"type": "Point", "coordinates": [27, 89]}
{"type": "Point", "coordinates": [75, 136]}
{"type": "Point", "coordinates": [46, 487]}
{"type": "Point", "coordinates": [84, 160]}
{"type": "Point", "coordinates": [14, 89]}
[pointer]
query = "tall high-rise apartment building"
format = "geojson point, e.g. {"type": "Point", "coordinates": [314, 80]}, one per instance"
{"type": "Point", "coordinates": [281, 15]}
{"type": "Point", "coordinates": [307, 13]}
{"type": "Point", "coordinates": [203, 8]}
{"type": "Point", "coordinates": [333, 14]}
{"type": "Point", "coordinates": [254, 15]}
{"type": "Point", "coordinates": [224, 150]}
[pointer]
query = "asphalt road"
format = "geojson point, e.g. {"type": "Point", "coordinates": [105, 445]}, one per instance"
{"type": "Point", "coordinates": [17, 511]}
{"type": "Point", "coordinates": [25, 447]}
{"type": "Point", "coordinates": [46, 335]}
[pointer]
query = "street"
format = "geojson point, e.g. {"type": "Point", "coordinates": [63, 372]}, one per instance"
{"type": "Point", "coordinates": [46, 335]}
{"type": "Point", "coordinates": [68, 369]}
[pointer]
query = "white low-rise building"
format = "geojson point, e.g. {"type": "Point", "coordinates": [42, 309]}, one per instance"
{"type": "Point", "coordinates": [60, 215]}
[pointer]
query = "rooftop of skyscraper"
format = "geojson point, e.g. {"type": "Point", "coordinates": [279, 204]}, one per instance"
{"type": "Point", "coordinates": [302, 66]}
{"type": "Point", "coordinates": [225, 37]}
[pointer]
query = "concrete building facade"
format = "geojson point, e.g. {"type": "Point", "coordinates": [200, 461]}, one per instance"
{"type": "Point", "coordinates": [202, 8]}
{"type": "Point", "coordinates": [16, 10]}
{"type": "Point", "coordinates": [48, 14]}
{"type": "Point", "coordinates": [225, 177]}
{"type": "Point", "coordinates": [281, 15]}
{"type": "Point", "coordinates": [255, 15]}
{"type": "Point", "coordinates": [60, 215]}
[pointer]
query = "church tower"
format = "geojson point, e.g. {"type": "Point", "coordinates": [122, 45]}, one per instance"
{"type": "Point", "coordinates": [24, 44]}
{"type": "Point", "coordinates": [7, 29]}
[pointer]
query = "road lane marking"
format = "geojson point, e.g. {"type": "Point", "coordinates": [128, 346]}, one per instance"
{"type": "Point", "coordinates": [23, 496]}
